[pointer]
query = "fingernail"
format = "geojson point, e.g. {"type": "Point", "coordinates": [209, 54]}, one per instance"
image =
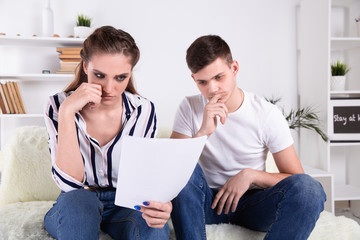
{"type": "Point", "coordinates": [146, 203]}
{"type": "Point", "coordinates": [137, 207]}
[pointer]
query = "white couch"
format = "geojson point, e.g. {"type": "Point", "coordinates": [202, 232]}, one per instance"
{"type": "Point", "coordinates": [27, 192]}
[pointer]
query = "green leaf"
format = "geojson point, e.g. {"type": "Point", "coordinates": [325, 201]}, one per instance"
{"type": "Point", "coordinates": [302, 118]}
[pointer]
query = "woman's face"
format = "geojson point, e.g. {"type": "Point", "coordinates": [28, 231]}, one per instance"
{"type": "Point", "coordinates": [112, 72]}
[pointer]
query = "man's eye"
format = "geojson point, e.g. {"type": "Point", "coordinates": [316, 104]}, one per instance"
{"type": "Point", "coordinates": [218, 77]}
{"type": "Point", "coordinates": [202, 82]}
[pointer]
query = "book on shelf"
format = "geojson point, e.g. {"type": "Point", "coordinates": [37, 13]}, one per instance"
{"type": "Point", "coordinates": [69, 50]}
{"type": "Point", "coordinates": [19, 98]}
{"type": "Point", "coordinates": [8, 98]}
{"type": "Point", "coordinates": [69, 58]}
{"type": "Point", "coordinates": [4, 101]}
{"type": "Point", "coordinates": [11, 98]}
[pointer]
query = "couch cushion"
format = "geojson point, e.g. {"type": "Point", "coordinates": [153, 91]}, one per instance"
{"type": "Point", "coordinates": [26, 174]}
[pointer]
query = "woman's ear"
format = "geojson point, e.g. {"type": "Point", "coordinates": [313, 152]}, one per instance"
{"type": "Point", "coordinates": [84, 67]}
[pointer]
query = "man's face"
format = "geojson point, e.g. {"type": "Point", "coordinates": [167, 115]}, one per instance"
{"type": "Point", "coordinates": [217, 79]}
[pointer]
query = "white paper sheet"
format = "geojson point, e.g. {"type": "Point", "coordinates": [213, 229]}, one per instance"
{"type": "Point", "coordinates": [155, 169]}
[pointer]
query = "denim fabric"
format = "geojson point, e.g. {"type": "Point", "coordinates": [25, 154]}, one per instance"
{"type": "Point", "coordinates": [79, 214]}
{"type": "Point", "coordinates": [288, 210]}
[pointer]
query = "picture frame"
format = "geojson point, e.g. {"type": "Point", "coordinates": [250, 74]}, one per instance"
{"type": "Point", "coordinates": [344, 120]}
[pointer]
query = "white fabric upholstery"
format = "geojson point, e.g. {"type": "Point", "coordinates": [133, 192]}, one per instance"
{"type": "Point", "coordinates": [26, 174]}
{"type": "Point", "coordinates": [26, 198]}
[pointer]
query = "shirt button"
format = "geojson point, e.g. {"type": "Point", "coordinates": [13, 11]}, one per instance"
{"type": "Point", "coordinates": [101, 171]}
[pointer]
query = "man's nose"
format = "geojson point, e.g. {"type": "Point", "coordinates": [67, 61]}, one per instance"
{"type": "Point", "coordinates": [213, 88]}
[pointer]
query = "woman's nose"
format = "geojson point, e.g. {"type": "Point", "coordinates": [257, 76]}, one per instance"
{"type": "Point", "coordinates": [107, 85]}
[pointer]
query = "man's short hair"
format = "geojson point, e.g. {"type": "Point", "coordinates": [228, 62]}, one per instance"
{"type": "Point", "coordinates": [205, 50]}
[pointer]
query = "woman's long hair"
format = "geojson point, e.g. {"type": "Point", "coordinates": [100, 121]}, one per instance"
{"type": "Point", "coordinates": [106, 40]}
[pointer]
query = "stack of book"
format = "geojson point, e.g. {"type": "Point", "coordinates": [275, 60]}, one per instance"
{"type": "Point", "coordinates": [10, 98]}
{"type": "Point", "coordinates": [69, 59]}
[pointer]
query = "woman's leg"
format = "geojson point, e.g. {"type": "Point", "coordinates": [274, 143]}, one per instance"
{"type": "Point", "coordinates": [75, 215]}
{"type": "Point", "coordinates": [125, 224]}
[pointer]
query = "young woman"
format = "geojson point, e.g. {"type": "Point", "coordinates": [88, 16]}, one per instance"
{"type": "Point", "coordinates": [85, 124]}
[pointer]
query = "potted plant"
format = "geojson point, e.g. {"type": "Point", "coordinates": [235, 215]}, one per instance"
{"type": "Point", "coordinates": [83, 26]}
{"type": "Point", "coordinates": [338, 78]}
{"type": "Point", "coordinates": [302, 118]}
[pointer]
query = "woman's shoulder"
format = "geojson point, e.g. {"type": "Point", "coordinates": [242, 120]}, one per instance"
{"type": "Point", "coordinates": [58, 98]}
{"type": "Point", "coordinates": [135, 100]}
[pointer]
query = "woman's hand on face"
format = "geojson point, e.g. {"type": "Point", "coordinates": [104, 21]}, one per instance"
{"type": "Point", "coordinates": [156, 214]}
{"type": "Point", "coordinates": [86, 93]}
{"type": "Point", "coordinates": [212, 109]}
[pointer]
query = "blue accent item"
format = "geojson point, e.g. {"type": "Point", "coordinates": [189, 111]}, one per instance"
{"type": "Point", "coordinates": [150, 119]}
{"type": "Point", "coordinates": [71, 184]}
{"type": "Point", "coordinates": [137, 207]}
{"type": "Point", "coordinates": [131, 133]}
{"type": "Point", "coordinates": [51, 116]}
{"type": "Point", "coordinates": [154, 130]}
{"type": "Point", "coordinates": [92, 155]}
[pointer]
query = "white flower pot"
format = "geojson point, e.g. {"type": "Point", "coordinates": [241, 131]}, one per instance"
{"type": "Point", "coordinates": [82, 32]}
{"type": "Point", "coordinates": [337, 83]}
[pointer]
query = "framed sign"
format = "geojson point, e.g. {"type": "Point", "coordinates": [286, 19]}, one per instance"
{"type": "Point", "coordinates": [345, 120]}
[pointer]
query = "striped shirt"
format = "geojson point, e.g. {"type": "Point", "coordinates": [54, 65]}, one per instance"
{"type": "Point", "coordinates": [101, 162]}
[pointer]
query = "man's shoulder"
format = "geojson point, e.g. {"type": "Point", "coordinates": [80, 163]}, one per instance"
{"type": "Point", "coordinates": [258, 102]}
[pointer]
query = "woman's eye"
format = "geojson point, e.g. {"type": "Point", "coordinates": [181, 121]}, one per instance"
{"type": "Point", "coordinates": [99, 75]}
{"type": "Point", "coordinates": [121, 78]}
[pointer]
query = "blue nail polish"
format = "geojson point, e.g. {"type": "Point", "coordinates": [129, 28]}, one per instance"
{"type": "Point", "coordinates": [137, 207]}
{"type": "Point", "coordinates": [146, 203]}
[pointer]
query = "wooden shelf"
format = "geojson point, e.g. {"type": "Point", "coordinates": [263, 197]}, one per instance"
{"type": "Point", "coordinates": [37, 77]}
{"type": "Point", "coordinates": [346, 192]}
{"type": "Point", "coordinates": [41, 41]}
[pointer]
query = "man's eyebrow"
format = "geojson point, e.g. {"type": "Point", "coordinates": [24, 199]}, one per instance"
{"type": "Point", "coordinates": [220, 73]}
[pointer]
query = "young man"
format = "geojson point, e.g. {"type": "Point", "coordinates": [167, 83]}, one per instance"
{"type": "Point", "coordinates": [230, 185]}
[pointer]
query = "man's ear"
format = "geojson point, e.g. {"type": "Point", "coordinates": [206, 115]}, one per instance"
{"type": "Point", "coordinates": [85, 68]}
{"type": "Point", "coordinates": [235, 67]}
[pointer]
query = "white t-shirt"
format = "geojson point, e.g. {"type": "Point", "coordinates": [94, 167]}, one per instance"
{"type": "Point", "coordinates": [242, 142]}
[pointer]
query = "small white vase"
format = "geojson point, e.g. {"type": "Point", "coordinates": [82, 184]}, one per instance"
{"type": "Point", "coordinates": [337, 83]}
{"type": "Point", "coordinates": [82, 32]}
{"type": "Point", "coordinates": [47, 20]}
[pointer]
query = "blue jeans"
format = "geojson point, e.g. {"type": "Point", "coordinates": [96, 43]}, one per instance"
{"type": "Point", "coordinates": [288, 210]}
{"type": "Point", "coordinates": [79, 214]}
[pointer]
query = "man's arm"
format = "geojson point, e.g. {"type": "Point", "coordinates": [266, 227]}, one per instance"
{"type": "Point", "coordinates": [288, 164]}
{"type": "Point", "coordinates": [178, 135]}
{"type": "Point", "coordinates": [229, 195]}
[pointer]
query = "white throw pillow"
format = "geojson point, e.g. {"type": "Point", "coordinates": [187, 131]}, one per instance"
{"type": "Point", "coordinates": [26, 174]}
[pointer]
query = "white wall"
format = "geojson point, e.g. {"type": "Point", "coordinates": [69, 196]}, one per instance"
{"type": "Point", "coordinates": [261, 34]}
